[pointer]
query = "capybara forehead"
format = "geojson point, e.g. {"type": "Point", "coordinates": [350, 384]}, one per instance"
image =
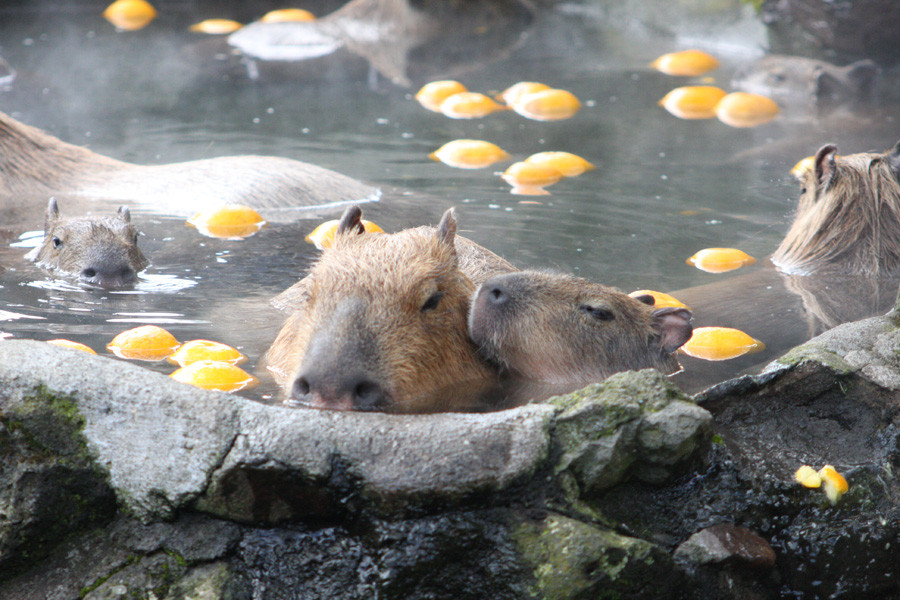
{"type": "Point", "coordinates": [378, 263]}
{"type": "Point", "coordinates": [94, 229]}
{"type": "Point", "coordinates": [578, 292]}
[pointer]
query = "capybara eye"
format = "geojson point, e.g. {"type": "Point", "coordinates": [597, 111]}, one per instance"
{"type": "Point", "coordinates": [433, 301]}
{"type": "Point", "coordinates": [56, 242]}
{"type": "Point", "coordinates": [599, 313]}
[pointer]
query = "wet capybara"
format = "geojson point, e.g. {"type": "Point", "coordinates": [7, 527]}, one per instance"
{"type": "Point", "coordinates": [98, 251]}
{"type": "Point", "coordinates": [379, 323]}
{"type": "Point", "coordinates": [34, 163]}
{"type": "Point", "coordinates": [563, 329]}
{"type": "Point", "coordinates": [798, 79]}
{"type": "Point", "coordinates": [848, 216]}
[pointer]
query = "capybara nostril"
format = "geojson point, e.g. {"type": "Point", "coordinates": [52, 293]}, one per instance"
{"type": "Point", "coordinates": [89, 273]}
{"type": "Point", "coordinates": [368, 395]}
{"type": "Point", "coordinates": [497, 295]}
{"type": "Point", "coordinates": [300, 389]}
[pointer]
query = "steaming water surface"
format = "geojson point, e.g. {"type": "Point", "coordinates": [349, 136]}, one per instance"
{"type": "Point", "coordinates": [664, 188]}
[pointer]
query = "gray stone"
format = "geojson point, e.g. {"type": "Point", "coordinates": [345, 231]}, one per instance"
{"type": "Point", "coordinates": [727, 542]}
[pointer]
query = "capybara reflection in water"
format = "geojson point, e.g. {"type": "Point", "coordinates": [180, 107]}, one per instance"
{"type": "Point", "coordinates": [848, 217]}
{"type": "Point", "coordinates": [98, 251]}
{"type": "Point", "coordinates": [379, 323]}
{"type": "Point", "coordinates": [34, 163]}
{"type": "Point", "coordinates": [563, 329]}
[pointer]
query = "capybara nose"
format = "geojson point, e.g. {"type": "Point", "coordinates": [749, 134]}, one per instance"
{"type": "Point", "coordinates": [109, 277]}
{"type": "Point", "coordinates": [356, 391]}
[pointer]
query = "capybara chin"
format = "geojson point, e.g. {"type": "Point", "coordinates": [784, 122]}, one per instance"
{"type": "Point", "coordinates": [563, 329]}
{"type": "Point", "coordinates": [97, 251]}
{"type": "Point", "coordinates": [379, 323]}
{"type": "Point", "coordinates": [848, 217]}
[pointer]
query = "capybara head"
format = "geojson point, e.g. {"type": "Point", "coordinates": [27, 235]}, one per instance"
{"type": "Point", "coordinates": [563, 329]}
{"type": "Point", "coordinates": [98, 251]}
{"type": "Point", "coordinates": [848, 218]}
{"type": "Point", "coordinates": [382, 324]}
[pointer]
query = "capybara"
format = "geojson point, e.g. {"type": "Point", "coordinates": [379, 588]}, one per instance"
{"type": "Point", "coordinates": [795, 78]}
{"type": "Point", "coordinates": [34, 163]}
{"type": "Point", "coordinates": [848, 216]}
{"type": "Point", "coordinates": [379, 323]}
{"type": "Point", "coordinates": [563, 329]}
{"type": "Point", "coordinates": [98, 251]}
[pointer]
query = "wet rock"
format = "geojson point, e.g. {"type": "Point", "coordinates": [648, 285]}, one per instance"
{"type": "Point", "coordinates": [727, 542]}
{"type": "Point", "coordinates": [631, 424]}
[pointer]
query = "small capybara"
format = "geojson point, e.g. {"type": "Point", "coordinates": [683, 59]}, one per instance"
{"type": "Point", "coordinates": [563, 329]}
{"type": "Point", "coordinates": [379, 323]}
{"type": "Point", "coordinates": [34, 163]}
{"type": "Point", "coordinates": [848, 216]}
{"type": "Point", "coordinates": [98, 251]}
{"type": "Point", "coordinates": [795, 78]}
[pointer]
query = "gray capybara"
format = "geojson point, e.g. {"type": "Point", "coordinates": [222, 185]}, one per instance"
{"type": "Point", "coordinates": [97, 251]}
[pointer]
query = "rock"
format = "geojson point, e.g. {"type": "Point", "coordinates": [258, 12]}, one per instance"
{"type": "Point", "coordinates": [572, 559]}
{"type": "Point", "coordinates": [727, 542]}
{"type": "Point", "coordinates": [632, 423]}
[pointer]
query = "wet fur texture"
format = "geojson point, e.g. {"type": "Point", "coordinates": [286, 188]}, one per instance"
{"type": "Point", "coordinates": [392, 307]}
{"type": "Point", "coordinates": [563, 329]}
{"type": "Point", "coordinates": [848, 217]}
{"type": "Point", "coordinates": [97, 250]}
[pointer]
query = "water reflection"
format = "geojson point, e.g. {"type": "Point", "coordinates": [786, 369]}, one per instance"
{"type": "Point", "coordinates": [664, 187]}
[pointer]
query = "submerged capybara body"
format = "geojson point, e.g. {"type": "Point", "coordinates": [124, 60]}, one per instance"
{"type": "Point", "coordinates": [796, 78]}
{"type": "Point", "coordinates": [34, 163]}
{"type": "Point", "coordinates": [379, 323]}
{"type": "Point", "coordinates": [848, 216]}
{"type": "Point", "coordinates": [97, 251]}
{"type": "Point", "coordinates": [563, 329]}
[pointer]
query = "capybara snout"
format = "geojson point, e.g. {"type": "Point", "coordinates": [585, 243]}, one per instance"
{"type": "Point", "coordinates": [379, 323]}
{"type": "Point", "coordinates": [563, 329]}
{"type": "Point", "coordinates": [97, 251]}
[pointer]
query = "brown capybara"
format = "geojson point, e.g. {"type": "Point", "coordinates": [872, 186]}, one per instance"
{"type": "Point", "coordinates": [789, 79]}
{"type": "Point", "coordinates": [563, 329]}
{"type": "Point", "coordinates": [34, 163]}
{"type": "Point", "coordinates": [98, 251]}
{"type": "Point", "coordinates": [379, 323]}
{"type": "Point", "coordinates": [848, 217]}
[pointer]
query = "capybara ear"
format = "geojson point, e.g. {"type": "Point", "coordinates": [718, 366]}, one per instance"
{"type": "Point", "coordinates": [446, 230]}
{"type": "Point", "coordinates": [52, 215]}
{"type": "Point", "coordinates": [674, 327]}
{"type": "Point", "coordinates": [124, 214]}
{"type": "Point", "coordinates": [893, 159]}
{"type": "Point", "coordinates": [824, 164]}
{"type": "Point", "coordinates": [351, 221]}
{"type": "Point", "coordinates": [647, 299]}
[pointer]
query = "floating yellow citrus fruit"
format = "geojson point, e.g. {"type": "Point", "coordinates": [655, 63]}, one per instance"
{"type": "Point", "coordinates": [432, 94]}
{"type": "Point", "coordinates": [72, 345]}
{"type": "Point", "coordinates": [720, 260]}
{"type": "Point", "coordinates": [833, 483]}
{"type": "Point", "coordinates": [687, 63]}
{"type": "Point", "coordinates": [693, 101]}
{"type": "Point", "coordinates": [469, 154]}
{"type": "Point", "coordinates": [566, 163]}
{"type": "Point", "coordinates": [194, 350]}
{"type": "Point", "coordinates": [323, 235]}
{"type": "Point", "coordinates": [469, 105]}
{"type": "Point", "coordinates": [215, 375]}
{"type": "Point", "coordinates": [547, 105]}
{"type": "Point", "coordinates": [514, 93]}
{"type": "Point", "coordinates": [530, 179]}
{"type": "Point", "coordinates": [215, 26]}
{"type": "Point", "coordinates": [287, 14]}
{"type": "Point", "coordinates": [720, 343]}
{"type": "Point", "coordinates": [660, 299]}
{"type": "Point", "coordinates": [808, 477]}
{"type": "Point", "coordinates": [130, 15]}
{"type": "Point", "coordinates": [147, 342]}
{"type": "Point", "coordinates": [228, 221]}
{"type": "Point", "coordinates": [740, 109]}
{"type": "Point", "coordinates": [803, 165]}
